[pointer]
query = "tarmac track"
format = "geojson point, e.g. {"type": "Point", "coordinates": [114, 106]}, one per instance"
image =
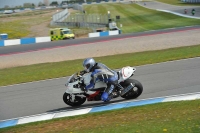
{"type": "Point", "coordinates": [163, 79]}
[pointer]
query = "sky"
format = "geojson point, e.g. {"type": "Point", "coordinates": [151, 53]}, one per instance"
{"type": "Point", "coordinates": [13, 3]}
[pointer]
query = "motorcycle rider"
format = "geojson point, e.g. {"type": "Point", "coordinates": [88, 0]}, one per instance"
{"type": "Point", "coordinates": [103, 73]}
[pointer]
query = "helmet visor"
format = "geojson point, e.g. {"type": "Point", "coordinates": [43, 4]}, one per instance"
{"type": "Point", "coordinates": [87, 66]}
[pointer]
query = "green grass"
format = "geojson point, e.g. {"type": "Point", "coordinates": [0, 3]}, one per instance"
{"type": "Point", "coordinates": [135, 18]}
{"type": "Point", "coordinates": [171, 117]}
{"type": "Point", "coordinates": [178, 3]}
{"type": "Point", "coordinates": [59, 69]}
{"type": "Point", "coordinates": [19, 28]}
{"type": "Point", "coordinates": [22, 14]}
{"type": "Point", "coordinates": [15, 29]}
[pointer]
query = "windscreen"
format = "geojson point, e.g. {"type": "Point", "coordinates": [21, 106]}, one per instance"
{"type": "Point", "coordinates": [67, 32]}
{"type": "Point", "coordinates": [72, 78]}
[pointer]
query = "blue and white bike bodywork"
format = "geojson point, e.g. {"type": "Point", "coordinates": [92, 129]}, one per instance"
{"type": "Point", "coordinates": [127, 88]}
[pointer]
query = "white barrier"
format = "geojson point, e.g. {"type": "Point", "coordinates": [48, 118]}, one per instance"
{"type": "Point", "coordinates": [96, 34]}
{"type": "Point", "coordinates": [12, 42]}
{"type": "Point", "coordinates": [43, 39]}
{"type": "Point", "coordinates": [115, 32]}
{"type": "Point", "coordinates": [24, 41]}
{"type": "Point", "coordinates": [105, 33]}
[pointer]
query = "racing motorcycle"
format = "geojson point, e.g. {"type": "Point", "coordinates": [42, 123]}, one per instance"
{"type": "Point", "coordinates": [127, 88]}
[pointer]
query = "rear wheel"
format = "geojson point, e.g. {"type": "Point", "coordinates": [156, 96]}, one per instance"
{"type": "Point", "coordinates": [67, 98]}
{"type": "Point", "coordinates": [134, 92]}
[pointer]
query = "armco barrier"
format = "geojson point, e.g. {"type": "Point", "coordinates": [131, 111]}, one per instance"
{"type": "Point", "coordinates": [105, 33]}
{"type": "Point", "coordinates": [27, 40]}
{"type": "Point", "coordinates": [1, 43]}
{"type": "Point", "coordinates": [65, 113]}
{"type": "Point", "coordinates": [24, 41]}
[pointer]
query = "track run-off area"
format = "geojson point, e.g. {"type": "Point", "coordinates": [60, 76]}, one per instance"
{"type": "Point", "coordinates": [13, 56]}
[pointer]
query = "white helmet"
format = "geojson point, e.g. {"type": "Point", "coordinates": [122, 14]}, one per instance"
{"type": "Point", "coordinates": [88, 64]}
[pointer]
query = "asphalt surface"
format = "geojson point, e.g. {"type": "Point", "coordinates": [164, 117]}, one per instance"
{"type": "Point", "coordinates": [163, 79]}
{"type": "Point", "coordinates": [178, 9]}
{"type": "Point", "coordinates": [8, 50]}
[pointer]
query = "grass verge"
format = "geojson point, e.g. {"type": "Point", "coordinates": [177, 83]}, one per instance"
{"type": "Point", "coordinates": [19, 28]}
{"type": "Point", "coordinates": [135, 18]}
{"type": "Point", "coordinates": [60, 69]}
{"type": "Point", "coordinates": [171, 117]}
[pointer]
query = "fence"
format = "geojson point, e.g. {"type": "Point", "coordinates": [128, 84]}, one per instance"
{"type": "Point", "coordinates": [93, 21]}
{"type": "Point", "coordinates": [88, 18]}
{"type": "Point", "coordinates": [78, 7]}
{"type": "Point", "coordinates": [81, 25]}
{"type": "Point", "coordinates": [59, 17]}
{"type": "Point", "coordinates": [81, 20]}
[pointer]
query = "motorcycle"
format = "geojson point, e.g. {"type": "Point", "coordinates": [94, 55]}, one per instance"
{"type": "Point", "coordinates": [127, 88]}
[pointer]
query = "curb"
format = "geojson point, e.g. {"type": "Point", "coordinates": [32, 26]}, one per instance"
{"type": "Point", "coordinates": [65, 113]}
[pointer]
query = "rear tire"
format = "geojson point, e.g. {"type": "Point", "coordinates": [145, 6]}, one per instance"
{"type": "Point", "coordinates": [77, 102]}
{"type": "Point", "coordinates": [134, 92]}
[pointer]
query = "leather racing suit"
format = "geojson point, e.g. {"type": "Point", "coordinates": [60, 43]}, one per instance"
{"type": "Point", "coordinates": [103, 73]}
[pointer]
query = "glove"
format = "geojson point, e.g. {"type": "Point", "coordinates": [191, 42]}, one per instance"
{"type": "Point", "coordinates": [82, 72]}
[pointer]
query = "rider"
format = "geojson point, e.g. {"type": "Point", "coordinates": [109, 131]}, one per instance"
{"type": "Point", "coordinates": [103, 73]}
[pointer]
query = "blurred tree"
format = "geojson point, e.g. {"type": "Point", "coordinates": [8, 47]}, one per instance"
{"type": "Point", "coordinates": [6, 7]}
{"type": "Point", "coordinates": [27, 5]}
{"type": "Point", "coordinates": [41, 4]}
{"type": "Point", "coordinates": [54, 3]}
{"type": "Point", "coordinates": [33, 5]}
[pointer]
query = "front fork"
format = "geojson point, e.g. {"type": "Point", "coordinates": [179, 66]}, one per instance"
{"type": "Point", "coordinates": [123, 90]}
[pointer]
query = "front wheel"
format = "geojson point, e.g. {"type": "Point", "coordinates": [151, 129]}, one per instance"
{"type": "Point", "coordinates": [77, 102]}
{"type": "Point", "coordinates": [134, 92]}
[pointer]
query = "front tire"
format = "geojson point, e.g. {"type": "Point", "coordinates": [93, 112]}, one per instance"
{"type": "Point", "coordinates": [134, 92]}
{"type": "Point", "coordinates": [77, 102]}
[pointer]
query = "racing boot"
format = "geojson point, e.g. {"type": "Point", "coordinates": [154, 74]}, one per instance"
{"type": "Point", "coordinates": [108, 95]}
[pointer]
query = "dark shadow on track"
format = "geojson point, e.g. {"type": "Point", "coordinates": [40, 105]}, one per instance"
{"type": "Point", "coordinates": [99, 104]}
